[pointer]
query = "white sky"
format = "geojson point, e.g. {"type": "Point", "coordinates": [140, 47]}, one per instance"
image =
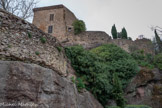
{"type": "Point", "coordinates": [137, 16]}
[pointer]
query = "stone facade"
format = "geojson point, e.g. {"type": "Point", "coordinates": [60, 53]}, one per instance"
{"type": "Point", "coordinates": [62, 20]}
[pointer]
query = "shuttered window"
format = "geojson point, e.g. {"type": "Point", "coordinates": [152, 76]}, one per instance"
{"type": "Point", "coordinates": [50, 29]}
{"type": "Point", "coordinates": [51, 17]}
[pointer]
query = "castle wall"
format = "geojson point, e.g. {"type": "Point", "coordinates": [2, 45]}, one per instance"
{"type": "Point", "coordinates": [88, 39]}
{"type": "Point", "coordinates": [69, 17]}
{"type": "Point", "coordinates": [42, 21]}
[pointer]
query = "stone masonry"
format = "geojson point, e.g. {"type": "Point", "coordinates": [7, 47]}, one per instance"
{"type": "Point", "coordinates": [61, 21]}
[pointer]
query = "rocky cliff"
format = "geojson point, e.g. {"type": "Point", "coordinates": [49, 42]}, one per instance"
{"type": "Point", "coordinates": [146, 88]}
{"type": "Point", "coordinates": [40, 87]}
{"type": "Point", "coordinates": [34, 69]}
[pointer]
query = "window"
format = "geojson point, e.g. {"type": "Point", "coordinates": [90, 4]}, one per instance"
{"type": "Point", "coordinates": [50, 28]}
{"type": "Point", "coordinates": [51, 17]}
{"type": "Point", "coordinates": [69, 29]}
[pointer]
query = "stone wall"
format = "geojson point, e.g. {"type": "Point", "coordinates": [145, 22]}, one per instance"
{"type": "Point", "coordinates": [88, 39]}
{"type": "Point", "coordinates": [130, 46]}
{"type": "Point", "coordinates": [42, 20]}
{"type": "Point", "coordinates": [20, 40]}
{"type": "Point", "coordinates": [63, 20]}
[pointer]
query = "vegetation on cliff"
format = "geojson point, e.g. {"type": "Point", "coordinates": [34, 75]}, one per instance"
{"type": "Point", "coordinates": [97, 66]}
{"type": "Point", "coordinates": [79, 26]}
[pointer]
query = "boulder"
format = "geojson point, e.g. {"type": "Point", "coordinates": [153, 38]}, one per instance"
{"type": "Point", "coordinates": [32, 85]}
{"type": "Point", "coordinates": [145, 88]}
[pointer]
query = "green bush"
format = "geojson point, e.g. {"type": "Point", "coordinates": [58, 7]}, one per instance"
{"type": "Point", "coordinates": [96, 67]}
{"type": "Point", "coordinates": [59, 48]}
{"type": "Point", "coordinates": [143, 60]}
{"type": "Point", "coordinates": [43, 40]}
{"type": "Point", "coordinates": [29, 35]}
{"type": "Point", "coordinates": [130, 106]}
{"type": "Point", "coordinates": [37, 53]}
{"type": "Point", "coordinates": [137, 106]}
{"type": "Point", "coordinates": [118, 92]}
{"type": "Point", "coordinates": [79, 83]}
{"type": "Point", "coordinates": [79, 26]}
{"type": "Point", "coordinates": [158, 61]}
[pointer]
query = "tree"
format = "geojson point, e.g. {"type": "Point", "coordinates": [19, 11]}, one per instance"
{"type": "Point", "coordinates": [124, 33]}
{"type": "Point", "coordinates": [21, 8]}
{"type": "Point", "coordinates": [158, 42]}
{"type": "Point", "coordinates": [119, 35]}
{"type": "Point", "coordinates": [96, 68]}
{"type": "Point", "coordinates": [129, 38]}
{"type": "Point", "coordinates": [118, 92]}
{"type": "Point", "coordinates": [79, 26]}
{"type": "Point", "coordinates": [114, 32]}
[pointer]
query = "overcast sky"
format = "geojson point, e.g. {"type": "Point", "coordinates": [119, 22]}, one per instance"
{"type": "Point", "coordinates": [137, 16]}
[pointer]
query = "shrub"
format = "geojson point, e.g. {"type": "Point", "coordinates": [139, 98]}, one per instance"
{"type": "Point", "coordinates": [158, 61]}
{"type": "Point", "coordinates": [96, 67]}
{"type": "Point", "coordinates": [79, 26]}
{"type": "Point", "coordinates": [29, 35]}
{"type": "Point", "coordinates": [144, 60]}
{"type": "Point", "coordinates": [130, 106]}
{"type": "Point", "coordinates": [79, 83]}
{"type": "Point", "coordinates": [118, 92]}
{"type": "Point", "coordinates": [37, 53]}
{"type": "Point", "coordinates": [43, 40]}
{"type": "Point", "coordinates": [137, 106]}
{"type": "Point", "coordinates": [59, 48]}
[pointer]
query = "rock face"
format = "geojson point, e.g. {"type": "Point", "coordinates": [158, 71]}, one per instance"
{"type": "Point", "coordinates": [44, 88]}
{"type": "Point", "coordinates": [20, 40]}
{"type": "Point", "coordinates": [146, 88]}
{"type": "Point", "coordinates": [34, 70]}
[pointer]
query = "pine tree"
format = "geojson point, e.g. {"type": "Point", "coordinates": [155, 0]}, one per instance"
{"type": "Point", "coordinates": [118, 92]}
{"type": "Point", "coordinates": [124, 33]}
{"type": "Point", "coordinates": [158, 42]}
{"type": "Point", "coordinates": [114, 32]}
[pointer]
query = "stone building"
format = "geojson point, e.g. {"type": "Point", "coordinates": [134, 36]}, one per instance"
{"type": "Point", "coordinates": [56, 20]}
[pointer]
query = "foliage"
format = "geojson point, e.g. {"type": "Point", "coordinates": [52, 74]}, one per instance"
{"type": "Point", "coordinates": [130, 106]}
{"type": "Point", "coordinates": [96, 67]}
{"type": "Point", "coordinates": [118, 92]}
{"type": "Point", "coordinates": [129, 38]}
{"type": "Point", "coordinates": [124, 33]}
{"type": "Point", "coordinates": [37, 53]}
{"type": "Point", "coordinates": [137, 106]}
{"type": "Point", "coordinates": [158, 61]}
{"type": "Point", "coordinates": [144, 60]}
{"type": "Point", "coordinates": [79, 83]}
{"type": "Point", "coordinates": [79, 26]}
{"type": "Point", "coordinates": [29, 35]}
{"type": "Point", "coordinates": [21, 8]}
{"type": "Point", "coordinates": [114, 32]}
{"type": "Point", "coordinates": [119, 36]}
{"type": "Point", "coordinates": [43, 40]}
{"type": "Point", "coordinates": [158, 42]}
{"type": "Point", "coordinates": [59, 48]}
